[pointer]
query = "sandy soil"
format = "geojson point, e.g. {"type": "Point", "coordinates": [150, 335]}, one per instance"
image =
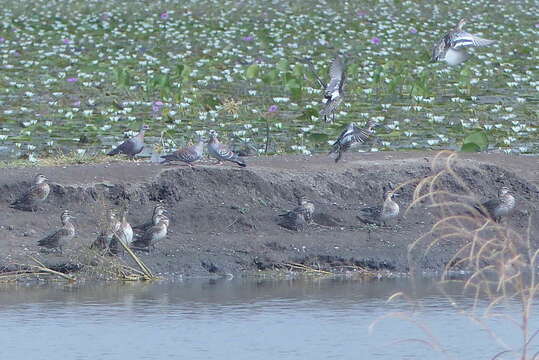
{"type": "Point", "coordinates": [224, 219]}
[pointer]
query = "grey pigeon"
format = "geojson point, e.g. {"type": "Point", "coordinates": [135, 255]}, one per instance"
{"type": "Point", "coordinates": [153, 234]}
{"type": "Point", "coordinates": [452, 48]}
{"type": "Point", "coordinates": [57, 239]}
{"type": "Point", "coordinates": [188, 154]}
{"type": "Point", "coordinates": [131, 146]}
{"type": "Point", "coordinates": [350, 137]}
{"type": "Point", "coordinates": [107, 232]}
{"type": "Point", "coordinates": [158, 210]}
{"type": "Point", "coordinates": [379, 215]}
{"type": "Point", "coordinates": [34, 196]}
{"type": "Point", "coordinates": [221, 152]}
{"type": "Point", "coordinates": [497, 208]}
{"type": "Point", "coordinates": [123, 234]}
{"type": "Point", "coordinates": [333, 91]}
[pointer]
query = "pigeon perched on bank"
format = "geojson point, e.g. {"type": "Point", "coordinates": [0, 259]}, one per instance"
{"type": "Point", "coordinates": [131, 146]}
{"type": "Point", "coordinates": [60, 237]}
{"type": "Point", "coordinates": [37, 194]}
{"type": "Point", "coordinates": [351, 137]}
{"type": "Point", "coordinates": [452, 48]}
{"type": "Point", "coordinates": [188, 154]}
{"type": "Point", "coordinates": [221, 152]}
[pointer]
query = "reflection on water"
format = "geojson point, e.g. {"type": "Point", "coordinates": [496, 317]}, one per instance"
{"type": "Point", "coordinates": [238, 319]}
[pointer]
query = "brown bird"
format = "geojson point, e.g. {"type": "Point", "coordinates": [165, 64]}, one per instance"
{"type": "Point", "coordinates": [57, 239]}
{"type": "Point", "coordinates": [123, 234]}
{"type": "Point", "coordinates": [158, 210]}
{"type": "Point", "coordinates": [380, 215]}
{"type": "Point", "coordinates": [153, 234]}
{"type": "Point", "coordinates": [107, 232]}
{"type": "Point", "coordinates": [34, 196]}
{"type": "Point", "coordinates": [497, 208]}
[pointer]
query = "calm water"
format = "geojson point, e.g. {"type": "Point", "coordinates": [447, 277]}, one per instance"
{"type": "Point", "coordinates": [237, 319]}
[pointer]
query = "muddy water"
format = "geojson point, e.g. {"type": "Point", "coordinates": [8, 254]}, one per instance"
{"type": "Point", "coordinates": [235, 319]}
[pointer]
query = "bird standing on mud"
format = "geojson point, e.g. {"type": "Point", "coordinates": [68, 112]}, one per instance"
{"type": "Point", "coordinates": [452, 47]}
{"type": "Point", "coordinates": [107, 232]}
{"type": "Point", "coordinates": [187, 154]}
{"type": "Point", "coordinates": [221, 152]}
{"type": "Point", "coordinates": [34, 196]}
{"type": "Point", "coordinates": [131, 146]}
{"type": "Point", "coordinates": [495, 209]}
{"type": "Point", "coordinates": [57, 239]}
{"type": "Point", "coordinates": [124, 233]}
{"type": "Point", "coordinates": [333, 91]}
{"type": "Point", "coordinates": [350, 137]}
{"type": "Point", "coordinates": [158, 210]}
{"type": "Point", "coordinates": [298, 218]}
{"type": "Point", "coordinates": [151, 235]}
{"type": "Point", "coordinates": [379, 215]}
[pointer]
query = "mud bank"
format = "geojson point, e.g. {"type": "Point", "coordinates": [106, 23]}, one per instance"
{"type": "Point", "coordinates": [224, 219]}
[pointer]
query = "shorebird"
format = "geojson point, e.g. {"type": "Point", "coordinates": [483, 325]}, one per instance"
{"type": "Point", "coordinates": [158, 210]}
{"type": "Point", "coordinates": [350, 137]}
{"type": "Point", "coordinates": [154, 233]}
{"type": "Point", "coordinates": [379, 215]}
{"type": "Point", "coordinates": [107, 232]}
{"type": "Point", "coordinates": [221, 152]}
{"type": "Point", "coordinates": [188, 154]}
{"type": "Point", "coordinates": [131, 146]}
{"type": "Point", "coordinates": [495, 209]}
{"type": "Point", "coordinates": [333, 91]}
{"type": "Point", "coordinates": [300, 216]}
{"type": "Point", "coordinates": [123, 234]}
{"type": "Point", "coordinates": [452, 47]}
{"type": "Point", "coordinates": [34, 196]}
{"type": "Point", "coordinates": [57, 239]}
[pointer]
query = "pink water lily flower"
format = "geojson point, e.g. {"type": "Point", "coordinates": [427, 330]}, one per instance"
{"type": "Point", "coordinates": [376, 40]}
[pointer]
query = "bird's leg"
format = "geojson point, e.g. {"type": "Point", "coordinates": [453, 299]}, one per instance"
{"type": "Point", "coordinates": [333, 117]}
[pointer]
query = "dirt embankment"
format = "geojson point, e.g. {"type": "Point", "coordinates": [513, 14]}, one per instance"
{"type": "Point", "coordinates": [224, 219]}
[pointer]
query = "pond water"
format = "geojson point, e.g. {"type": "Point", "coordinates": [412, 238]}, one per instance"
{"type": "Point", "coordinates": [238, 319]}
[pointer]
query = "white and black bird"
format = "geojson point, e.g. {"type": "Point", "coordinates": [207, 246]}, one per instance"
{"type": "Point", "coordinates": [153, 234]}
{"type": "Point", "coordinates": [222, 152]}
{"type": "Point", "coordinates": [497, 208]}
{"type": "Point", "coordinates": [60, 237]}
{"type": "Point", "coordinates": [350, 137]}
{"type": "Point", "coordinates": [380, 215]}
{"type": "Point", "coordinates": [333, 91]}
{"type": "Point", "coordinates": [131, 146]}
{"type": "Point", "coordinates": [188, 154]}
{"type": "Point", "coordinates": [37, 194]}
{"type": "Point", "coordinates": [452, 48]}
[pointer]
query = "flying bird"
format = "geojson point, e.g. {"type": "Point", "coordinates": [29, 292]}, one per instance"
{"type": "Point", "coordinates": [333, 91]}
{"type": "Point", "coordinates": [350, 137]}
{"type": "Point", "coordinates": [452, 48]}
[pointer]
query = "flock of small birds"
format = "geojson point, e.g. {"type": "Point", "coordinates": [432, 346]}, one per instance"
{"type": "Point", "coordinates": [452, 49]}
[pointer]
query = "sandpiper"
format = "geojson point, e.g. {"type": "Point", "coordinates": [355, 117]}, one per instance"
{"type": "Point", "coordinates": [379, 215]}
{"type": "Point", "coordinates": [131, 146]}
{"type": "Point", "coordinates": [188, 154]}
{"type": "Point", "coordinates": [110, 226]}
{"type": "Point", "coordinates": [123, 234]}
{"type": "Point", "coordinates": [154, 233]}
{"type": "Point", "coordinates": [34, 196]}
{"type": "Point", "coordinates": [158, 210]}
{"type": "Point", "coordinates": [333, 91]}
{"type": "Point", "coordinates": [57, 239]}
{"type": "Point", "coordinates": [452, 47]}
{"type": "Point", "coordinates": [350, 137]}
{"type": "Point", "coordinates": [221, 152]}
{"type": "Point", "coordinates": [497, 208]}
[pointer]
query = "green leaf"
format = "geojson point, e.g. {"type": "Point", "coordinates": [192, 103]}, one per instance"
{"type": "Point", "coordinates": [186, 72]}
{"type": "Point", "coordinates": [318, 137]}
{"type": "Point", "coordinates": [283, 65]}
{"type": "Point", "coordinates": [252, 71]}
{"type": "Point", "coordinates": [477, 140]}
{"type": "Point", "coordinates": [179, 69]}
